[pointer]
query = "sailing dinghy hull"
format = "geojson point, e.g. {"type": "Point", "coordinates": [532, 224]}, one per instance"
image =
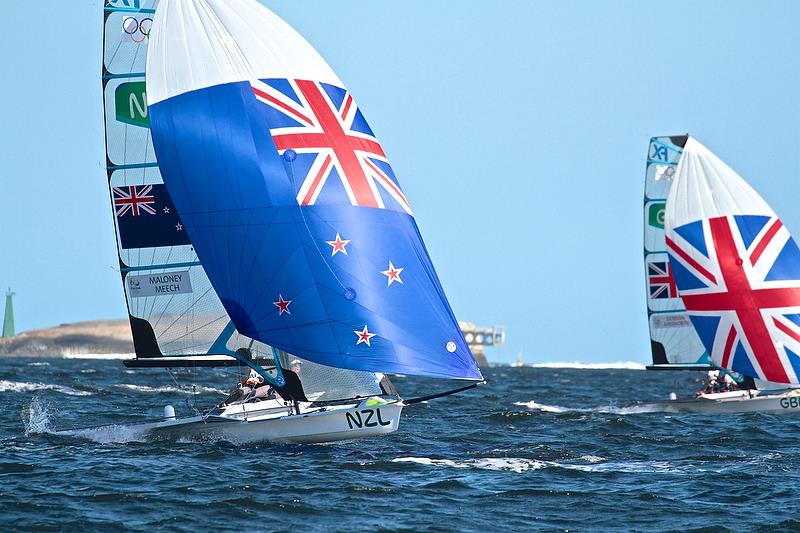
{"type": "Point", "coordinates": [747, 401]}
{"type": "Point", "coordinates": [271, 422]}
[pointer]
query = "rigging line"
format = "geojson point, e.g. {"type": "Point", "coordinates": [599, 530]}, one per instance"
{"type": "Point", "coordinates": [166, 305]}
{"type": "Point", "coordinates": [442, 394]}
{"type": "Point", "coordinates": [249, 276]}
{"type": "Point", "coordinates": [313, 237]}
{"type": "Point", "coordinates": [180, 316]}
{"type": "Point", "coordinates": [116, 50]}
{"type": "Point", "coordinates": [245, 238]}
{"type": "Point", "coordinates": [195, 330]}
{"type": "Point", "coordinates": [267, 282]}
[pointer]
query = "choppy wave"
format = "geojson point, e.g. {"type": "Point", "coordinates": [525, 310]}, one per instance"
{"type": "Point", "coordinates": [24, 386]}
{"type": "Point", "coordinates": [36, 417]}
{"type": "Point", "coordinates": [619, 365]}
{"type": "Point", "coordinates": [589, 463]}
{"type": "Point", "coordinates": [171, 389]}
{"type": "Point", "coordinates": [609, 409]}
{"type": "Point", "coordinates": [511, 464]}
{"type": "Point", "coordinates": [113, 434]}
{"type": "Point", "coordinates": [552, 461]}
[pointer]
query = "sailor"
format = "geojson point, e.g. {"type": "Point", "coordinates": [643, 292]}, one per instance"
{"type": "Point", "coordinates": [244, 391]}
{"type": "Point", "coordinates": [712, 382]}
{"type": "Point", "coordinates": [728, 383]}
{"type": "Point", "coordinates": [293, 389]}
{"type": "Point", "coordinates": [263, 390]}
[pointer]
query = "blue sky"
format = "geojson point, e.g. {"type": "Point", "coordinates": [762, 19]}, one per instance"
{"type": "Point", "coordinates": [518, 131]}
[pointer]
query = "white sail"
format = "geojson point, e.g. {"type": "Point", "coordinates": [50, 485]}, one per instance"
{"type": "Point", "coordinates": [240, 54]}
{"type": "Point", "coordinates": [674, 343]}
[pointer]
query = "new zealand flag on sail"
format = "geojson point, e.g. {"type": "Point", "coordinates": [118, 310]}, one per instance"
{"type": "Point", "coordinates": [146, 217]}
{"type": "Point", "coordinates": [337, 158]}
{"type": "Point", "coordinates": [302, 228]}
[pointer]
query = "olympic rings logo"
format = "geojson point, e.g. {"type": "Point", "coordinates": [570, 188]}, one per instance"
{"type": "Point", "coordinates": [137, 30]}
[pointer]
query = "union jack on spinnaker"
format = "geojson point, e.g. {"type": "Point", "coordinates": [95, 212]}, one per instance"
{"type": "Point", "coordinates": [736, 267]}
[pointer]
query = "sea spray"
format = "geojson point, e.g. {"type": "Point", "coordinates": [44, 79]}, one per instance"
{"type": "Point", "coordinates": [36, 417]}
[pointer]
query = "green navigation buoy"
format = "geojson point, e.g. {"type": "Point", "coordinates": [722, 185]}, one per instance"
{"type": "Point", "coordinates": [8, 321]}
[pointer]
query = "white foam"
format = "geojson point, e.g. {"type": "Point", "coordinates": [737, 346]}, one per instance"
{"type": "Point", "coordinates": [542, 407]}
{"type": "Point", "coordinates": [39, 363]}
{"type": "Point", "coordinates": [634, 467]}
{"type": "Point", "coordinates": [512, 464]}
{"type": "Point", "coordinates": [36, 418]}
{"type": "Point", "coordinates": [112, 434]}
{"type": "Point", "coordinates": [519, 465]}
{"type": "Point", "coordinates": [24, 386]}
{"type": "Point", "coordinates": [169, 388]}
{"type": "Point", "coordinates": [610, 409]}
{"type": "Point", "coordinates": [619, 365]}
{"type": "Point", "coordinates": [99, 356]}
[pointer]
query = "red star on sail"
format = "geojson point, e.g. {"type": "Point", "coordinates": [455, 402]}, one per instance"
{"type": "Point", "coordinates": [338, 245]}
{"type": "Point", "coordinates": [393, 274]}
{"type": "Point", "coordinates": [364, 336]}
{"type": "Point", "coordinates": [282, 305]}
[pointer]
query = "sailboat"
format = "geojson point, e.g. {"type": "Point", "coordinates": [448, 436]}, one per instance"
{"type": "Point", "coordinates": [260, 225]}
{"type": "Point", "coordinates": [723, 279]}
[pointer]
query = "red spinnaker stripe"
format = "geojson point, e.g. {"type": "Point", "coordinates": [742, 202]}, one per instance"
{"type": "Point", "coordinates": [389, 183]}
{"type": "Point", "coordinates": [786, 329]}
{"type": "Point", "coordinates": [727, 352]}
{"type": "Point", "coordinates": [315, 184]}
{"type": "Point", "coordinates": [283, 106]}
{"type": "Point", "coordinates": [764, 242]}
{"type": "Point", "coordinates": [686, 257]}
{"type": "Point", "coordinates": [347, 105]}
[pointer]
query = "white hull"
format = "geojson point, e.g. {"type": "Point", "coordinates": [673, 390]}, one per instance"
{"type": "Point", "coordinates": [747, 401]}
{"type": "Point", "coordinates": [274, 422]}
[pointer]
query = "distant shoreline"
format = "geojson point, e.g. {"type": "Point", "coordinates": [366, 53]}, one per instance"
{"type": "Point", "coordinates": [96, 337]}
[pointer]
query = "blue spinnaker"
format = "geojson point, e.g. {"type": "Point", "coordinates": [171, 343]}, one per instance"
{"type": "Point", "coordinates": [295, 213]}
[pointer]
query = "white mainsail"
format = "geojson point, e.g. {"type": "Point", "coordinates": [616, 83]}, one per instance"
{"type": "Point", "coordinates": [674, 343]}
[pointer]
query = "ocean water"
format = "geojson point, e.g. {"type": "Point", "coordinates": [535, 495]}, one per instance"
{"type": "Point", "coordinates": [552, 449]}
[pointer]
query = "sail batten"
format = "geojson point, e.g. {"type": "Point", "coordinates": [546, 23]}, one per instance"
{"type": "Point", "coordinates": [289, 198]}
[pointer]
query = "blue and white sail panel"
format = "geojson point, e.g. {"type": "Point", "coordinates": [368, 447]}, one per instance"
{"type": "Point", "coordinates": [737, 269]}
{"type": "Point", "coordinates": [674, 343]}
{"type": "Point", "coordinates": [289, 198]}
{"type": "Point", "coordinates": [126, 33]}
